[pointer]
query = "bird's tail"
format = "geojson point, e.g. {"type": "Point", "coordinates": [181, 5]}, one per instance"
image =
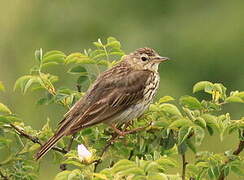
{"type": "Point", "coordinates": [48, 145]}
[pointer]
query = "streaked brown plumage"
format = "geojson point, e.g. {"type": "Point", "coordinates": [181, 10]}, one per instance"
{"type": "Point", "coordinates": [119, 94]}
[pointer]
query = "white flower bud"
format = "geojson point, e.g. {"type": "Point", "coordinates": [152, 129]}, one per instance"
{"type": "Point", "coordinates": [83, 153]}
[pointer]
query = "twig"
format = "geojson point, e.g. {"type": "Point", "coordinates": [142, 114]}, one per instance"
{"type": "Point", "coordinates": [78, 87]}
{"type": "Point", "coordinates": [109, 143]}
{"type": "Point", "coordinates": [63, 167]}
{"type": "Point", "coordinates": [184, 163]}
{"type": "Point", "coordinates": [236, 152]}
{"type": "Point", "coordinates": [35, 140]}
{"type": "Point", "coordinates": [131, 154]}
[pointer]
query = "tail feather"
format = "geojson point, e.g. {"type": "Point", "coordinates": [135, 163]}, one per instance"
{"type": "Point", "coordinates": [48, 145]}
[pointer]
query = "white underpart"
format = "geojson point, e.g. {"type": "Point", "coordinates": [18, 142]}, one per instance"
{"type": "Point", "coordinates": [139, 108]}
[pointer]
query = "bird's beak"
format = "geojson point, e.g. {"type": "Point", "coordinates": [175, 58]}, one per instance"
{"type": "Point", "coordinates": [161, 59]}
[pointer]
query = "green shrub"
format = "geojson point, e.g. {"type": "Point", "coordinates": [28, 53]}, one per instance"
{"type": "Point", "coordinates": [176, 127]}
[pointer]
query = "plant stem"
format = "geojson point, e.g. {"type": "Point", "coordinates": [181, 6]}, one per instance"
{"type": "Point", "coordinates": [63, 167]}
{"type": "Point", "coordinates": [238, 150]}
{"type": "Point", "coordinates": [34, 139]}
{"type": "Point", "coordinates": [184, 163]}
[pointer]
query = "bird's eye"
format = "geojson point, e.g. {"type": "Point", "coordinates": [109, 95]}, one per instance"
{"type": "Point", "coordinates": [143, 58]}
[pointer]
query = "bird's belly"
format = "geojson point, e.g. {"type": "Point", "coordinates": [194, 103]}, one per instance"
{"type": "Point", "coordinates": [131, 113]}
{"type": "Point", "coordinates": [134, 111]}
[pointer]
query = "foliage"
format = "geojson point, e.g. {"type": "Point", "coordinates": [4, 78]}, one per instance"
{"type": "Point", "coordinates": [174, 128]}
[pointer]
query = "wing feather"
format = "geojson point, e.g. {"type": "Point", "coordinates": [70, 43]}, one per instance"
{"type": "Point", "coordinates": [110, 95]}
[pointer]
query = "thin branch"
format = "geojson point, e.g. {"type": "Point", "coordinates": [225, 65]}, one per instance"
{"type": "Point", "coordinates": [78, 86]}
{"type": "Point", "coordinates": [184, 163]}
{"type": "Point", "coordinates": [35, 139]}
{"type": "Point", "coordinates": [238, 150]}
{"type": "Point", "coordinates": [63, 167]}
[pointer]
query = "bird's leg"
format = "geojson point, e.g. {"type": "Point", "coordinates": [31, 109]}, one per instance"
{"type": "Point", "coordinates": [119, 132]}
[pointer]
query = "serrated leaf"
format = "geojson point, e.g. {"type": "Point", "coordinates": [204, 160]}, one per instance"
{"type": "Point", "coordinates": [191, 145]}
{"type": "Point", "coordinates": [240, 94]}
{"type": "Point", "coordinates": [166, 99]}
{"type": "Point", "coordinates": [169, 141]}
{"type": "Point", "coordinates": [190, 102]}
{"type": "Point", "coordinates": [234, 99]}
{"type": "Point", "coordinates": [170, 109]}
{"type": "Point", "coordinates": [98, 44]}
{"type": "Point", "coordinates": [211, 121]}
{"type": "Point", "coordinates": [199, 134]}
{"type": "Point", "coordinates": [111, 39]}
{"type": "Point", "coordinates": [57, 58]}
{"type": "Point", "coordinates": [34, 147]}
{"type": "Point", "coordinates": [182, 148]}
{"type": "Point", "coordinates": [166, 162]}
{"type": "Point", "coordinates": [201, 122]}
{"type": "Point", "coordinates": [73, 162]}
{"type": "Point", "coordinates": [4, 109]}
{"type": "Point", "coordinates": [21, 82]}
{"type": "Point", "coordinates": [201, 86]}
{"type": "Point", "coordinates": [82, 79]}
{"type": "Point", "coordinates": [180, 122]}
{"type": "Point", "coordinates": [78, 70]}
{"type": "Point", "coordinates": [8, 119]}
{"type": "Point", "coordinates": [183, 133]}
{"type": "Point", "coordinates": [237, 170]}
{"type": "Point", "coordinates": [4, 141]}
{"type": "Point", "coordinates": [49, 64]}
{"type": "Point", "coordinates": [62, 175]}
{"type": "Point", "coordinates": [2, 88]}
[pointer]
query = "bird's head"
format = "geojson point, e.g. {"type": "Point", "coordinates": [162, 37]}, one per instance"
{"type": "Point", "coordinates": [145, 58]}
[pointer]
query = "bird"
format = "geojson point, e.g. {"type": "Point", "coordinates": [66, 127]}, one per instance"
{"type": "Point", "coordinates": [118, 95]}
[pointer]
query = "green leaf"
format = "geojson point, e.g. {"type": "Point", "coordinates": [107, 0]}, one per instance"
{"type": "Point", "coordinates": [180, 122]}
{"type": "Point", "coordinates": [78, 70]}
{"type": "Point", "coordinates": [21, 82]}
{"type": "Point", "coordinates": [82, 79]}
{"type": "Point", "coordinates": [211, 121]}
{"type": "Point", "coordinates": [184, 132]}
{"type": "Point", "coordinates": [62, 175]}
{"type": "Point", "coordinates": [170, 109]}
{"type": "Point", "coordinates": [4, 141]}
{"type": "Point", "coordinates": [79, 58]}
{"type": "Point", "coordinates": [54, 56]}
{"type": "Point", "coordinates": [165, 161]}
{"type": "Point", "coordinates": [98, 44]}
{"type": "Point", "coordinates": [199, 135]}
{"type": "Point", "coordinates": [2, 88]}
{"type": "Point", "coordinates": [190, 102]}
{"type": "Point", "coordinates": [4, 109]}
{"type": "Point", "coordinates": [182, 148]}
{"type": "Point", "coordinates": [202, 85]}
{"type": "Point", "coordinates": [165, 99]}
{"type": "Point", "coordinates": [237, 170]}
{"type": "Point", "coordinates": [169, 141]}
{"type": "Point", "coordinates": [8, 119]}
{"type": "Point", "coordinates": [234, 99]}
{"type": "Point", "coordinates": [201, 122]}
{"type": "Point", "coordinates": [240, 94]}
{"type": "Point", "coordinates": [191, 145]}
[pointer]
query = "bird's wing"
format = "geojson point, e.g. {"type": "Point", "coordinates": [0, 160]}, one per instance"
{"type": "Point", "coordinates": [111, 96]}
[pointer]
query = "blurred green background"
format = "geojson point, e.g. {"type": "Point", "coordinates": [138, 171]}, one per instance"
{"type": "Point", "coordinates": [204, 39]}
